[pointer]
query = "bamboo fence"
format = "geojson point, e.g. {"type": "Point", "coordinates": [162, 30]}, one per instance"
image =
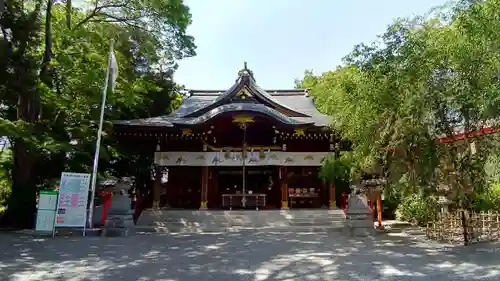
{"type": "Point", "coordinates": [449, 227]}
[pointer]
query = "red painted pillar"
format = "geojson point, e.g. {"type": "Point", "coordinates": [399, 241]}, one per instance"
{"type": "Point", "coordinates": [332, 196]}
{"type": "Point", "coordinates": [106, 205]}
{"type": "Point", "coordinates": [284, 188]}
{"type": "Point", "coordinates": [379, 209]}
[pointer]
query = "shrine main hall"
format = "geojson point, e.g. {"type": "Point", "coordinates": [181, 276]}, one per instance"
{"type": "Point", "coordinates": [241, 148]}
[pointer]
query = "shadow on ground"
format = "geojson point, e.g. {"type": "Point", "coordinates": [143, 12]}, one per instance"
{"type": "Point", "coordinates": [242, 256]}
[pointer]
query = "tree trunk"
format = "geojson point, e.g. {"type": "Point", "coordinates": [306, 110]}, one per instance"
{"type": "Point", "coordinates": [21, 206]}
{"type": "Point", "coordinates": [45, 70]}
{"type": "Point", "coordinates": [22, 201]}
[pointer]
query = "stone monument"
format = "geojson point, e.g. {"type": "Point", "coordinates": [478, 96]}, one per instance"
{"type": "Point", "coordinates": [359, 217]}
{"type": "Point", "coordinates": [120, 221]}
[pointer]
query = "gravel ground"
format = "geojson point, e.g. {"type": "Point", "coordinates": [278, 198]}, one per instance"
{"type": "Point", "coordinates": [242, 256]}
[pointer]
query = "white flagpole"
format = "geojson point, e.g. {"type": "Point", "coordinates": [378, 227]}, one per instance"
{"type": "Point", "coordinates": [98, 141]}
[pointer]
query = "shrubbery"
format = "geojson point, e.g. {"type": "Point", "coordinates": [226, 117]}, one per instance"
{"type": "Point", "coordinates": [489, 200]}
{"type": "Point", "coordinates": [418, 209]}
{"type": "Point", "coordinates": [5, 188]}
{"type": "Point", "coordinates": [5, 184]}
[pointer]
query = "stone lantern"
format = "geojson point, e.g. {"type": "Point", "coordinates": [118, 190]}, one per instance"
{"type": "Point", "coordinates": [119, 221]}
{"type": "Point", "coordinates": [359, 219]}
{"type": "Point", "coordinates": [373, 188]}
{"type": "Point", "coordinates": [443, 201]}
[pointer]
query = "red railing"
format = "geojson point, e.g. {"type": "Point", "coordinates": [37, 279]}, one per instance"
{"type": "Point", "coordinates": [473, 133]}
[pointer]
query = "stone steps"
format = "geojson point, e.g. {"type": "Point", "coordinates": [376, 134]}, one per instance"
{"type": "Point", "coordinates": [316, 228]}
{"type": "Point", "coordinates": [223, 221]}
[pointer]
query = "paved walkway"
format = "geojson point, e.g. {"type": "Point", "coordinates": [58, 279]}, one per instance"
{"type": "Point", "coordinates": [242, 256]}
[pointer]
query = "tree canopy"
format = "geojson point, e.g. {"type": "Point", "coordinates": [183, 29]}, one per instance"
{"type": "Point", "coordinates": [52, 68]}
{"type": "Point", "coordinates": [424, 78]}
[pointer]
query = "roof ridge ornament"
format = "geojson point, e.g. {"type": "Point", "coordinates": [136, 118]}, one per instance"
{"type": "Point", "coordinates": [245, 72]}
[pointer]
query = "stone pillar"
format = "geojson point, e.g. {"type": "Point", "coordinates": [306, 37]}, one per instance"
{"type": "Point", "coordinates": [378, 195]}
{"type": "Point", "coordinates": [284, 188]}
{"type": "Point", "coordinates": [204, 188]}
{"type": "Point", "coordinates": [157, 187]}
{"type": "Point", "coordinates": [331, 193]}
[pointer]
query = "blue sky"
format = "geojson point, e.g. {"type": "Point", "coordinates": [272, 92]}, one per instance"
{"type": "Point", "coordinates": [281, 38]}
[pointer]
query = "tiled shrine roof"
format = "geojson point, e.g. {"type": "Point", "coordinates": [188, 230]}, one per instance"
{"type": "Point", "coordinates": [290, 107]}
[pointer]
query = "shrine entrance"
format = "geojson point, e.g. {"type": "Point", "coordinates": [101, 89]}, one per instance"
{"type": "Point", "coordinates": [183, 189]}
{"type": "Point", "coordinates": [239, 148]}
{"type": "Point", "coordinates": [257, 189]}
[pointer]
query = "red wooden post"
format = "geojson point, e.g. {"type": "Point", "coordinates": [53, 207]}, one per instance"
{"type": "Point", "coordinates": [379, 210]}
{"type": "Point", "coordinates": [204, 188]}
{"type": "Point", "coordinates": [332, 196]}
{"type": "Point", "coordinates": [106, 205]}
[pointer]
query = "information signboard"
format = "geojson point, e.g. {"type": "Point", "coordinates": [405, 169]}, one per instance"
{"type": "Point", "coordinates": [47, 203]}
{"type": "Point", "coordinates": [72, 201]}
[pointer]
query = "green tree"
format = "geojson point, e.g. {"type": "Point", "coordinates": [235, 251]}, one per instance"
{"type": "Point", "coordinates": [425, 78]}
{"type": "Point", "coordinates": [50, 117]}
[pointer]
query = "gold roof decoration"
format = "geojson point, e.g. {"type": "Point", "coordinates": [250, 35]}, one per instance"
{"type": "Point", "coordinates": [243, 94]}
{"type": "Point", "coordinates": [309, 157]}
{"type": "Point", "coordinates": [187, 132]}
{"type": "Point", "coordinates": [300, 132]}
{"type": "Point", "coordinates": [243, 119]}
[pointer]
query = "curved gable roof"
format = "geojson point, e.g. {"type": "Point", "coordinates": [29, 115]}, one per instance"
{"type": "Point", "coordinates": [247, 81]}
{"type": "Point", "coordinates": [240, 107]}
{"type": "Point", "coordinates": [292, 107]}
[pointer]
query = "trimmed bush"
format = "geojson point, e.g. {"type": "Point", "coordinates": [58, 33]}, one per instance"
{"type": "Point", "coordinates": [489, 200]}
{"type": "Point", "coordinates": [418, 209]}
{"type": "Point", "coordinates": [4, 191]}
{"type": "Point", "coordinates": [4, 194]}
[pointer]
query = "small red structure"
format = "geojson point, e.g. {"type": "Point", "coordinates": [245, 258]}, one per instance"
{"type": "Point", "coordinates": [106, 205]}
{"type": "Point", "coordinates": [473, 133]}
